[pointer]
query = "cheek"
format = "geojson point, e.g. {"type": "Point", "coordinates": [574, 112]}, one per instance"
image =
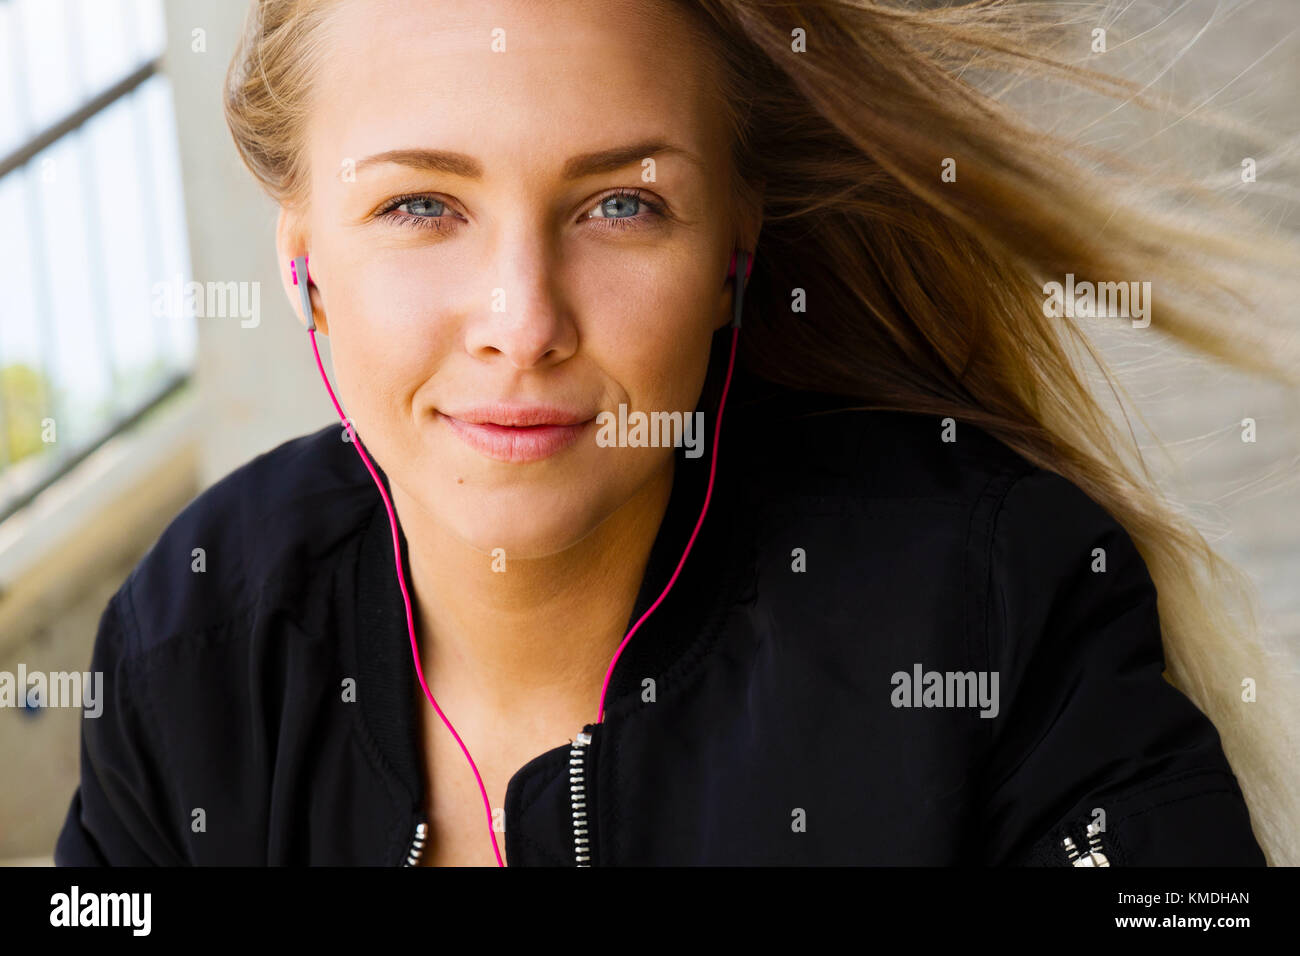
{"type": "Point", "coordinates": [660, 353]}
{"type": "Point", "coordinates": [385, 346]}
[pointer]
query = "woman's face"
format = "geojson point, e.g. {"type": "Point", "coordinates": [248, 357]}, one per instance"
{"type": "Point", "coordinates": [515, 205]}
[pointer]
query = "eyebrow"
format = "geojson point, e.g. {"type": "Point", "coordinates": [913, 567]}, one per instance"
{"type": "Point", "coordinates": [586, 164]}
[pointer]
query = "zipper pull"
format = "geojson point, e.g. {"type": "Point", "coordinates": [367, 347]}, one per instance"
{"type": "Point", "coordinates": [1094, 845]}
{"type": "Point", "coordinates": [1094, 857]}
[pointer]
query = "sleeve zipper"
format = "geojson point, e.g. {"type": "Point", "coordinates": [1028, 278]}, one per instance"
{"type": "Point", "coordinates": [1095, 855]}
{"type": "Point", "coordinates": [416, 849]}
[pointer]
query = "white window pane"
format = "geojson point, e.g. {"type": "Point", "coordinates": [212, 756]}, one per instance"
{"type": "Point", "coordinates": [22, 383]}
{"type": "Point", "coordinates": [48, 87]}
{"type": "Point", "coordinates": [11, 120]}
{"type": "Point", "coordinates": [92, 225]}
{"type": "Point", "coordinates": [179, 329]}
{"type": "Point", "coordinates": [148, 27]}
{"type": "Point", "coordinates": [107, 49]}
{"type": "Point", "coordinates": [18, 341]}
{"type": "Point", "coordinates": [80, 367]}
{"type": "Point", "coordinates": [121, 211]}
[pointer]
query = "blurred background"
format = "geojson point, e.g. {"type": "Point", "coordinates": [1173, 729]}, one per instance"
{"type": "Point", "coordinates": [122, 396]}
{"type": "Point", "coordinates": [119, 184]}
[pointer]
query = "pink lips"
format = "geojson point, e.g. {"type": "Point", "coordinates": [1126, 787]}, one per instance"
{"type": "Point", "coordinates": [517, 433]}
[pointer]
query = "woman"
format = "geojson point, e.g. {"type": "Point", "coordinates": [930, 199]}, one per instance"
{"type": "Point", "coordinates": [901, 609]}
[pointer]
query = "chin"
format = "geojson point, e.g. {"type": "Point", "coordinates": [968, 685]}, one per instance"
{"type": "Point", "coordinates": [526, 524]}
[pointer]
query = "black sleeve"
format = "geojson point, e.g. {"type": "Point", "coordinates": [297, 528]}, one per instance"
{"type": "Point", "coordinates": [115, 817]}
{"type": "Point", "coordinates": [1089, 730]}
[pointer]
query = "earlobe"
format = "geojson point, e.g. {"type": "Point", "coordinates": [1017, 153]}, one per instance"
{"type": "Point", "coordinates": [723, 316]}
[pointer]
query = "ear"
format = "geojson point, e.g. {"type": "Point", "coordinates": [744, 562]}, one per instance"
{"type": "Point", "coordinates": [291, 240]}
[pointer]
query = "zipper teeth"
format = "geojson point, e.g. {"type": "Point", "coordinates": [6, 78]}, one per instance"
{"type": "Point", "coordinates": [577, 801]}
{"type": "Point", "coordinates": [578, 798]}
{"type": "Point", "coordinates": [417, 844]}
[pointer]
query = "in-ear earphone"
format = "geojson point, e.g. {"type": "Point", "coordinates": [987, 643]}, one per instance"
{"type": "Point", "coordinates": [747, 264]}
{"type": "Point", "coordinates": [298, 267]}
{"type": "Point", "coordinates": [302, 279]}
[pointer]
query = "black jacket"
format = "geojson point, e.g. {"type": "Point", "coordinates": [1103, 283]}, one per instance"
{"type": "Point", "coordinates": [842, 552]}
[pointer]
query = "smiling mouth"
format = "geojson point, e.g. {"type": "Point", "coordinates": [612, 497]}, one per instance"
{"type": "Point", "coordinates": [516, 443]}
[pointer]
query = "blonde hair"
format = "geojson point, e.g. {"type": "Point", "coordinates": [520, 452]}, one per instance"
{"type": "Point", "coordinates": [927, 292]}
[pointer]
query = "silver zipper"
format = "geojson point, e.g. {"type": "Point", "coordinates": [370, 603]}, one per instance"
{"type": "Point", "coordinates": [577, 801]}
{"type": "Point", "coordinates": [1094, 857]}
{"type": "Point", "coordinates": [417, 844]}
{"type": "Point", "coordinates": [578, 798]}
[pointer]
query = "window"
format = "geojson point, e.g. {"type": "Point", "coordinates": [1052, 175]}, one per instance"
{"type": "Point", "coordinates": [93, 237]}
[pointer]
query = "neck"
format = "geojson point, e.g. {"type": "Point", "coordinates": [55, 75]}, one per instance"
{"type": "Point", "coordinates": [534, 643]}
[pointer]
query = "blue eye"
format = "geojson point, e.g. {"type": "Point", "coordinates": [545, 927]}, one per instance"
{"type": "Point", "coordinates": [609, 207]}
{"type": "Point", "coordinates": [425, 204]}
{"type": "Point", "coordinates": [419, 212]}
{"type": "Point", "coordinates": [618, 210]}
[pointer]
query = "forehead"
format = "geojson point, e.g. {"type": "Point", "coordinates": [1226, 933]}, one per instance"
{"type": "Point", "coordinates": [511, 81]}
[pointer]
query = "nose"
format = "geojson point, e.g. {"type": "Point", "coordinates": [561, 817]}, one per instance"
{"type": "Point", "coordinates": [525, 321]}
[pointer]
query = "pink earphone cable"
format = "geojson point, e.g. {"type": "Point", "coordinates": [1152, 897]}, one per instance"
{"type": "Point", "coordinates": [713, 467]}
{"type": "Point", "coordinates": [406, 598]}
{"type": "Point", "coordinates": [397, 549]}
